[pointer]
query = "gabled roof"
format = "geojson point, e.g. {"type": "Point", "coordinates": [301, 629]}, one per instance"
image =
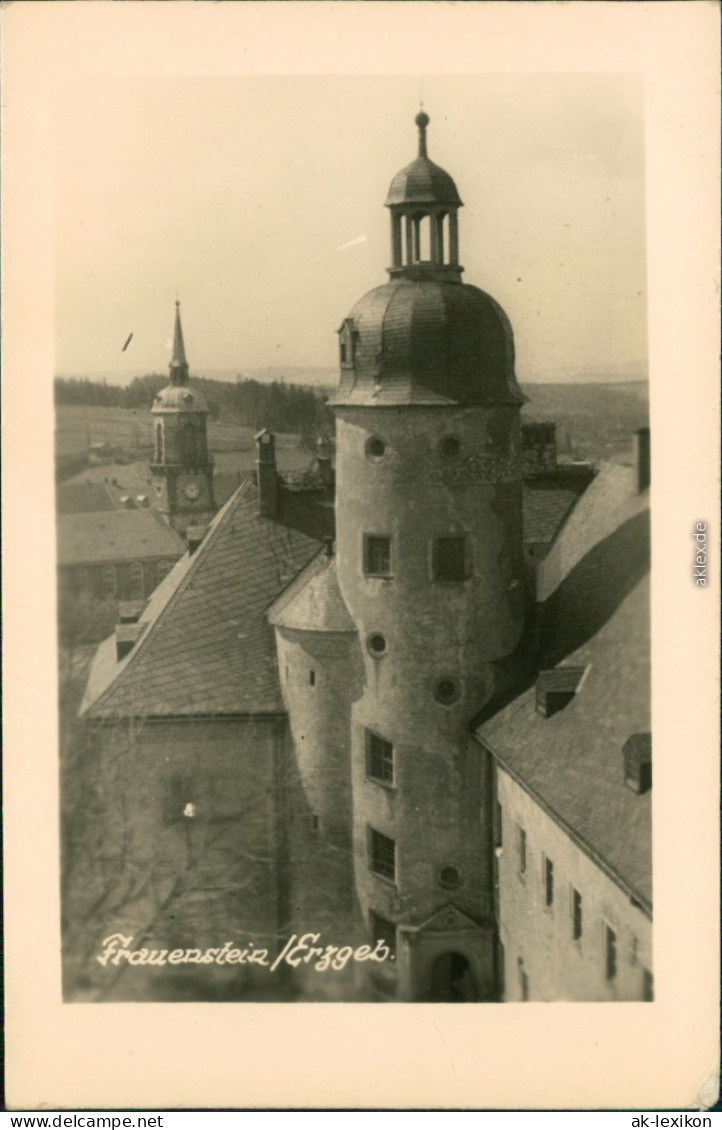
{"type": "Point", "coordinates": [80, 498]}
{"type": "Point", "coordinates": [208, 648]}
{"type": "Point", "coordinates": [572, 762]}
{"type": "Point", "coordinates": [594, 614]}
{"type": "Point", "coordinates": [96, 537]}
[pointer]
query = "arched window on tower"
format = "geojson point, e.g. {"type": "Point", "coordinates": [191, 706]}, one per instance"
{"type": "Point", "coordinates": [159, 443]}
{"type": "Point", "coordinates": [137, 591]}
{"type": "Point", "coordinates": [189, 444]}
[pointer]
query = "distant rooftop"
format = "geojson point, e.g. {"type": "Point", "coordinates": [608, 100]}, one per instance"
{"type": "Point", "coordinates": [96, 537]}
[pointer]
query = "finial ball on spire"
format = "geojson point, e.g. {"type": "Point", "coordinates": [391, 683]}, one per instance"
{"type": "Point", "coordinates": [422, 119]}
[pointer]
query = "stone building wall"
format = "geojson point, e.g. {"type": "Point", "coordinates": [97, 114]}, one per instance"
{"type": "Point", "coordinates": [541, 955]}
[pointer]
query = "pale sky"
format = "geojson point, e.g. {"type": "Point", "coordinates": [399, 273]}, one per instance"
{"type": "Point", "coordinates": [259, 202]}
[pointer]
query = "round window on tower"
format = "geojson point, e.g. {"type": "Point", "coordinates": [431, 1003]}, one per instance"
{"type": "Point", "coordinates": [449, 877]}
{"type": "Point", "coordinates": [450, 447]}
{"type": "Point", "coordinates": [447, 691]}
{"type": "Point", "coordinates": [375, 449]}
{"type": "Point", "coordinates": [376, 644]}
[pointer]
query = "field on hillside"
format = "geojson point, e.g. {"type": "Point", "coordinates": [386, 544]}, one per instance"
{"type": "Point", "coordinates": [233, 447]}
{"type": "Point", "coordinates": [77, 426]}
{"type": "Point", "coordinates": [594, 421]}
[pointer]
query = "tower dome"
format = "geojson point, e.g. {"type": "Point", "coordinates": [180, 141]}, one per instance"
{"type": "Point", "coordinates": [423, 182]}
{"type": "Point", "coordinates": [425, 337]}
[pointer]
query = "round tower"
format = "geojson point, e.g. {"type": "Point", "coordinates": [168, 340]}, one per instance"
{"type": "Point", "coordinates": [182, 469]}
{"type": "Point", "coordinates": [430, 566]}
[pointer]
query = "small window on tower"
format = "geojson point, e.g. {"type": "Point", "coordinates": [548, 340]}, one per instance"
{"type": "Point", "coordinates": [449, 877]}
{"type": "Point", "coordinates": [447, 691]}
{"type": "Point", "coordinates": [382, 854]}
{"type": "Point", "coordinates": [376, 643]}
{"type": "Point", "coordinates": [379, 758]}
{"type": "Point", "coordinates": [521, 848]}
{"type": "Point", "coordinates": [647, 985]}
{"type": "Point", "coordinates": [577, 921]}
{"type": "Point", "coordinates": [377, 555]}
{"type": "Point", "coordinates": [610, 952]}
{"type": "Point", "coordinates": [450, 559]}
{"type": "Point", "coordinates": [548, 881]}
{"type": "Point", "coordinates": [375, 449]}
{"type": "Point", "coordinates": [383, 931]}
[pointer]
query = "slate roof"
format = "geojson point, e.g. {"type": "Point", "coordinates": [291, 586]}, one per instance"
{"type": "Point", "coordinates": [429, 342]}
{"type": "Point", "coordinates": [596, 615]}
{"type": "Point", "coordinates": [545, 505]}
{"type": "Point", "coordinates": [313, 602]}
{"type": "Point", "coordinates": [115, 535]}
{"type": "Point", "coordinates": [208, 648]}
{"type": "Point", "coordinates": [423, 182]}
{"type": "Point", "coordinates": [78, 498]}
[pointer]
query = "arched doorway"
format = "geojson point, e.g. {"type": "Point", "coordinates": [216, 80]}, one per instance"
{"type": "Point", "coordinates": [452, 979]}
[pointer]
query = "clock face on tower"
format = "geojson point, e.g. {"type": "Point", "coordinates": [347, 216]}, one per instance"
{"type": "Point", "coordinates": [191, 491]}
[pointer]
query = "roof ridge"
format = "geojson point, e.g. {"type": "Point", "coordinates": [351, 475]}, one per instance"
{"type": "Point", "coordinates": [217, 524]}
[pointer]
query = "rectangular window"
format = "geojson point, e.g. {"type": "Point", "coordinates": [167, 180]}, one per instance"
{"type": "Point", "coordinates": [523, 982]}
{"type": "Point", "coordinates": [521, 848]}
{"type": "Point", "coordinates": [498, 825]}
{"type": "Point", "coordinates": [312, 678]}
{"type": "Point", "coordinates": [382, 854]}
{"type": "Point", "coordinates": [450, 559]}
{"type": "Point", "coordinates": [379, 758]}
{"type": "Point", "coordinates": [647, 986]}
{"type": "Point", "coordinates": [383, 931]}
{"type": "Point", "coordinates": [548, 879]}
{"type": "Point", "coordinates": [610, 953]}
{"type": "Point", "coordinates": [576, 915]}
{"type": "Point", "coordinates": [377, 555]}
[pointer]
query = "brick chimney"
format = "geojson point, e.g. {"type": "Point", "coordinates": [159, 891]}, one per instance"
{"type": "Point", "coordinates": [538, 447]}
{"type": "Point", "coordinates": [642, 459]}
{"type": "Point", "coordinates": [267, 474]}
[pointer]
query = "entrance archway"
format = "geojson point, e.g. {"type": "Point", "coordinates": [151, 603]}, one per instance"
{"type": "Point", "coordinates": [452, 979]}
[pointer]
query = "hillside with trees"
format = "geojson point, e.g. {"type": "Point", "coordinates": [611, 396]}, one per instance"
{"type": "Point", "coordinates": [276, 405]}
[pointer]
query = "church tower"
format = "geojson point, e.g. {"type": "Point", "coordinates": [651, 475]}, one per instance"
{"type": "Point", "coordinates": [182, 469]}
{"type": "Point", "coordinates": [430, 566]}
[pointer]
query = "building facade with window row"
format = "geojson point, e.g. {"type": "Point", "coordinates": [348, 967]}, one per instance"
{"type": "Point", "coordinates": [115, 554]}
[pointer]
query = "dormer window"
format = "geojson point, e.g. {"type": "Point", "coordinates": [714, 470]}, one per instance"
{"type": "Point", "coordinates": [556, 688]}
{"type": "Point", "coordinates": [347, 335]}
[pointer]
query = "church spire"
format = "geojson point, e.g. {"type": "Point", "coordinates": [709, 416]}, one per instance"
{"type": "Point", "coordinates": [179, 364]}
